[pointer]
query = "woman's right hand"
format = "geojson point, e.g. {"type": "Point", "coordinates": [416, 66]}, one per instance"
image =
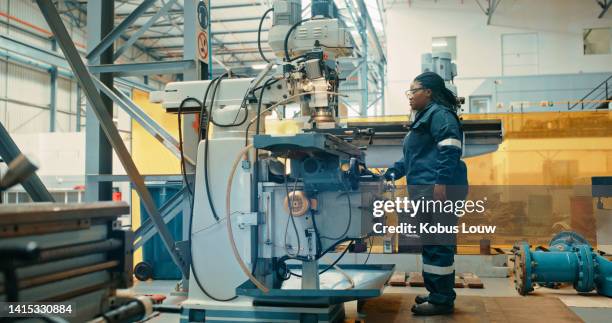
{"type": "Point", "coordinates": [391, 174]}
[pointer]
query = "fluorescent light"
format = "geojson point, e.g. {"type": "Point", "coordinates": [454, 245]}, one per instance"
{"type": "Point", "coordinates": [259, 66]}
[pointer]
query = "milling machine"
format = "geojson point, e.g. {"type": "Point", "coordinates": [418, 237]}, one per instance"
{"type": "Point", "coordinates": [268, 208]}
{"type": "Point", "coordinates": [260, 238]}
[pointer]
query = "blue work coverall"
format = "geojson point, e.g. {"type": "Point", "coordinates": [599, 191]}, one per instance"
{"type": "Point", "coordinates": [432, 152]}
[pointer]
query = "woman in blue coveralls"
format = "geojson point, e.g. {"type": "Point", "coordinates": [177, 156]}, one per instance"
{"type": "Point", "coordinates": [434, 170]}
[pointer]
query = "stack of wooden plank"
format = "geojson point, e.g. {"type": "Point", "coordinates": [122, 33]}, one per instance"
{"type": "Point", "coordinates": [415, 279]}
{"type": "Point", "coordinates": [398, 279]}
{"type": "Point", "coordinates": [471, 280]}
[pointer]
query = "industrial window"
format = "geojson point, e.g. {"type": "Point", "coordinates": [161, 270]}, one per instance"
{"type": "Point", "coordinates": [23, 197]}
{"type": "Point", "coordinates": [520, 54]}
{"type": "Point", "coordinates": [597, 41]}
{"type": "Point", "coordinates": [480, 104]}
{"type": "Point", "coordinates": [73, 197]}
{"type": "Point", "coordinates": [16, 197]}
{"type": "Point", "coordinates": [445, 44]}
{"type": "Point", "coordinates": [61, 196]}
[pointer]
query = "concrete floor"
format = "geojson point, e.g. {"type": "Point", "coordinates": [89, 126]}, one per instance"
{"type": "Point", "coordinates": [589, 307]}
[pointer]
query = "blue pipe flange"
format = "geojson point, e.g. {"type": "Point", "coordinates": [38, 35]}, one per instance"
{"type": "Point", "coordinates": [523, 281]}
{"type": "Point", "coordinates": [586, 270]}
{"type": "Point", "coordinates": [565, 240]}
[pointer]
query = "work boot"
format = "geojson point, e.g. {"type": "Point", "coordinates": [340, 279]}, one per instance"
{"type": "Point", "coordinates": [420, 299]}
{"type": "Point", "coordinates": [427, 309]}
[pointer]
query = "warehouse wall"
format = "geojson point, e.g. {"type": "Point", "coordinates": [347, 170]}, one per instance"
{"type": "Point", "coordinates": [25, 96]}
{"type": "Point", "coordinates": [557, 24]}
{"type": "Point", "coordinates": [25, 90]}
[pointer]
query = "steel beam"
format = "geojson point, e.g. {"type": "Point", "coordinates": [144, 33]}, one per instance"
{"type": "Point", "coordinates": [173, 12]}
{"type": "Point", "coordinates": [374, 102]}
{"type": "Point", "coordinates": [255, 61]}
{"type": "Point", "coordinates": [200, 71]}
{"type": "Point", "coordinates": [98, 150]}
{"type": "Point", "coordinates": [131, 69]}
{"type": "Point", "coordinates": [53, 92]}
{"type": "Point", "coordinates": [491, 9]}
{"type": "Point", "coordinates": [221, 21]}
{"type": "Point", "coordinates": [363, 76]}
{"type": "Point", "coordinates": [169, 210]}
{"type": "Point", "coordinates": [236, 6]}
{"type": "Point", "coordinates": [180, 11]}
{"type": "Point", "coordinates": [240, 31]}
{"type": "Point", "coordinates": [36, 57]}
{"type": "Point", "coordinates": [143, 49]}
{"type": "Point", "coordinates": [45, 60]}
{"type": "Point", "coordinates": [349, 105]}
{"type": "Point", "coordinates": [353, 15]}
{"type": "Point", "coordinates": [143, 119]}
{"type": "Point", "coordinates": [52, 98]}
{"type": "Point", "coordinates": [605, 5]}
{"type": "Point", "coordinates": [190, 49]}
{"type": "Point", "coordinates": [230, 51]}
{"type": "Point", "coordinates": [217, 44]}
{"type": "Point", "coordinates": [219, 33]}
{"type": "Point", "coordinates": [357, 68]}
{"type": "Point", "coordinates": [142, 29]}
{"type": "Point", "coordinates": [216, 21]}
{"type": "Point", "coordinates": [364, 12]}
{"type": "Point", "coordinates": [33, 185]}
{"type": "Point", "coordinates": [110, 38]}
{"type": "Point", "coordinates": [382, 87]}
{"type": "Point", "coordinates": [343, 23]}
{"type": "Point", "coordinates": [126, 178]}
{"type": "Point", "coordinates": [85, 80]}
{"type": "Point", "coordinates": [24, 30]}
{"type": "Point", "coordinates": [246, 42]}
{"type": "Point", "coordinates": [36, 53]}
{"type": "Point", "coordinates": [78, 108]}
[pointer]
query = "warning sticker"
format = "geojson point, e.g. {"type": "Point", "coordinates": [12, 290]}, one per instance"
{"type": "Point", "coordinates": [203, 45]}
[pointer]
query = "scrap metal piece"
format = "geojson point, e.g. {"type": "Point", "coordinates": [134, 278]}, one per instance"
{"type": "Point", "coordinates": [33, 185]}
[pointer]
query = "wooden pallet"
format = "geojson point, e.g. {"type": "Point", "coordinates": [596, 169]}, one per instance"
{"type": "Point", "coordinates": [415, 279]}
{"type": "Point", "coordinates": [398, 279]}
{"type": "Point", "coordinates": [471, 280]}
{"type": "Point", "coordinates": [459, 283]}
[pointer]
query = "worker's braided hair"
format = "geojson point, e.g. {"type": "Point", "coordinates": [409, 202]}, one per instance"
{"type": "Point", "coordinates": [439, 93]}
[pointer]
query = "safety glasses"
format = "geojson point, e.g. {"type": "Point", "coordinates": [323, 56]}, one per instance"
{"type": "Point", "coordinates": [411, 92]}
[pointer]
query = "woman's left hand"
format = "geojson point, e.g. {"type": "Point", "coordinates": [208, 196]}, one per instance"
{"type": "Point", "coordinates": [439, 192]}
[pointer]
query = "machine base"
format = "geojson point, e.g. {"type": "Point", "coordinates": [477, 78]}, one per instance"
{"type": "Point", "coordinates": [334, 287]}
{"type": "Point", "coordinates": [246, 311]}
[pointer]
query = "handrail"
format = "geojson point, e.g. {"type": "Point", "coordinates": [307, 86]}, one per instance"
{"type": "Point", "coordinates": [581, 101]}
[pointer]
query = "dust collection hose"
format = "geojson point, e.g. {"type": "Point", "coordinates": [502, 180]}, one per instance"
{"type": "Point", "coordinates": [230, 233]}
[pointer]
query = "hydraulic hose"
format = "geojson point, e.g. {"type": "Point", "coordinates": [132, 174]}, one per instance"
{"type": "Point", "coordinates": [261, 21]}
{"type": "Point", "coordinates": [230, 232]}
